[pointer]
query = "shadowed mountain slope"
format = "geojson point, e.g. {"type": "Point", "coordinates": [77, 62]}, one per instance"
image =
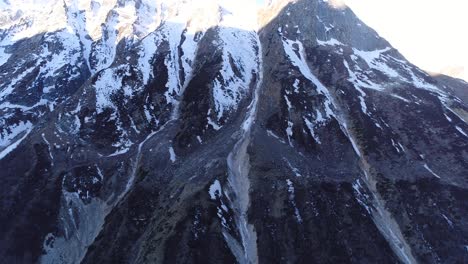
{"type": "Point", "coordinates": [152, 132]}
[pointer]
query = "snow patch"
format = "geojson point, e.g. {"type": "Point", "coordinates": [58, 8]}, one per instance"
{"type": "Point", "coordinates": [311, 128]}
{"type": "Point", "coordinates": [330, 42]}
{"type": "Point", "coordinates": [296, 86]}
{"type": "Point", "coordinates": [431, 171]}
{"type": "Point", "coordinates": [289, 132]}
{"type": "Point", "coordinates": [448, 220]}
{"type": "Point", "coordinates": [231, 85]}
{"type": "Point", "coordinates": [213, 124]}
{"type": "Point", "coordinates": [448, 118]}
{"type": "Point", "coordinates": [3, 56]}
{"type": "Point", "coordinates": [360, 79]}
{"type": "Point", "coordinates": [295, 51]}
{"type": "Point", "coordinates": [398, 147]}
{"type": "Point", "coordinates": [361, 196]}
{"type": "Point", "coordinates": [13, 146]}
{"type": "Point", "coordinates": [7, 88]}
{"type": "Point", "coordinates": [362, 102]}
{"type": "Point", "coordinates": [295, 170]}
{"type": "Point", "coordinates": [119, 152]}
{"type": "Point", "coordinates": [292, 198]}
{"type": "Point", "coordinates": [49, 148]}
{"type": "Point", "coordinates": [215, 190]}
{"type": "Point", "coordinates": [271, 134]}
{"type": "Point", "coordinates": [108, 82]}
{"type": "Point", "coordinates": [8, 134]}
{"type": "Point", "coordinates": [376, 60]}
{"type": "Point", "coordinates": [172, 154]}
{"type": "Point", "coordinates": [401, 98]}
{"type": "Point", "coordinates": [288, 103]}
{"type": "Point", "coordinates": [461, 131]}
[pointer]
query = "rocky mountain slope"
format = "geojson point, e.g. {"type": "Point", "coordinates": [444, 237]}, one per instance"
{"type": "Point", "coordinates": [154, 131]}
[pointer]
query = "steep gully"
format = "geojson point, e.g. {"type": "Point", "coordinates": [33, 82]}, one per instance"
{"type": "Point", "coordinates": [238, 180]}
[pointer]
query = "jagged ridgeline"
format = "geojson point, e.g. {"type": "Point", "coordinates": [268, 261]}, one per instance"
{"type": "Point", "coordinates": [219, 131]}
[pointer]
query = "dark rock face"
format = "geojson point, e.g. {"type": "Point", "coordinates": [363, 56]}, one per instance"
{"type": "Point", "coordinates": [201, 140]}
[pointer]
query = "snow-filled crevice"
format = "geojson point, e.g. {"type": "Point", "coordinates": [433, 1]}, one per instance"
{"type": "Point", "coordinates": [232, 83]}
{"type": "Point", "coordinates": [179, 60]}
{"type": "Point", "coordinates": [295, 52]}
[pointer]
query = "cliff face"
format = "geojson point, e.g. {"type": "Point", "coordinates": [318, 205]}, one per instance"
{"type": "Point", "coordinates": [214, 132]}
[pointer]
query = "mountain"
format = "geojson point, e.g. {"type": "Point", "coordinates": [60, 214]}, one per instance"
{"type": "Point", "coordinates": [223, 132]}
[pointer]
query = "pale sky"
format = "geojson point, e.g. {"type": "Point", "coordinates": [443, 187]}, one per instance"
{"type": "Point", "coordinates": [433, 34]}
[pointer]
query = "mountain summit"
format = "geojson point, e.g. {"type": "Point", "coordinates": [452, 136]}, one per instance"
{"type": "Point", "coordinates": [220, 131]}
